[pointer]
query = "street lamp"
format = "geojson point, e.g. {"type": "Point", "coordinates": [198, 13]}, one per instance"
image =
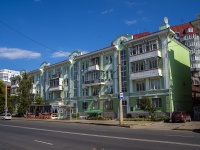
{"type": "Point", "coordinates": [6, 107]}
{"type": "Point", "coordinates": [120, 89]}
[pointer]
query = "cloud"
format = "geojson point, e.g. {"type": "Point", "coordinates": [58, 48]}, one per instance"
{"type": "Point", "coordinates": [107, 11]}
{"type": "Point", "coordinates": [130, 22]}
{"type": "Point", "coordinates": [16, 53]}
{"type": "Point", "coordinates": [84, 52]}
{"type": "Point", "coordinates": [60, 54]}
{"type": "Point", "coordinates": [130, 4]}
{"type": "Point", "coordinates": [64, 54]}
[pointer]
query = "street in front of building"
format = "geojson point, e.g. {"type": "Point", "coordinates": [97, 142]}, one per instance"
{"type": "Point", "coordinates": [26, 134]}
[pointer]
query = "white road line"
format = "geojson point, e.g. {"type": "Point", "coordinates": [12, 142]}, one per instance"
{"type": "Point", "coordinates": [43, 142]}
{"type": "Point", "coordinates": [98, 130]}
{"type": "Point", "coordinates": [104, 136]}
{"type": "Point", "coordinates": [180, 136]}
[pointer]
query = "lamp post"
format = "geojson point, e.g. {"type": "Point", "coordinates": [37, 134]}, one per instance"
{"type": "Point", "coordinates": [6, 107]}
{"type": "Point", "coordinates": [120, 89]}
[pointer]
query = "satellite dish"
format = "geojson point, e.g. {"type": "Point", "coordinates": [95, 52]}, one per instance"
{"type": "Point", "coordinates": [166, 20]}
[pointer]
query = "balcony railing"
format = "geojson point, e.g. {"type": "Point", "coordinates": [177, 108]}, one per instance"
{"type": "Point", "coordinates": [94, 82]}
{"type": "Point", "coordinates": [151, 54]}
{"type": "Point", "coordinates": [146, 74]}
{"type": "Point", "coordinates": [93, 67]}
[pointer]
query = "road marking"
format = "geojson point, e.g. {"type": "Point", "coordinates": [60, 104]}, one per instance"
{"type": "Point", "coordinates": [43, 142]}
{"type": "Point", "coordinates": [104, 136]}
{"type": "Point", "coordinates": [98, 130]}
{"type": "Point", "coordinates": [180, 136]}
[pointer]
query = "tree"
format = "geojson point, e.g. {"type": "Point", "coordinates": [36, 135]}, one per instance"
{"type": "Point", "coordinates": [146, 105]}
{"type": "Point", "coordinates": [23, 91]}
{"type": "Point", "coordinates": [2, 99]}
{"type": "Point", "coordinates": [39, 100]}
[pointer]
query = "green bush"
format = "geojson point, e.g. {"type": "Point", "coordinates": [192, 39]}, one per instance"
{"type": "Point", "coordinates": [160, 117]}
{"type": "Point", "coordinates": [128, 115]}
{"type": "Point", "coordinates": [96, 118]}
{"type": "Point", "coordinates": [137, 119]}
{"type": "Point", "coordinates": [74, 115]}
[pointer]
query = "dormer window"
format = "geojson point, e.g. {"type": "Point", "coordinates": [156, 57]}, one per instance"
{"type": "Point", "coordinates": [189, 30]}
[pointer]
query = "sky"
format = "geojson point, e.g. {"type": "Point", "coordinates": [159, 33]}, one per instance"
{"type": "Point", "coordinates": [37, 31]}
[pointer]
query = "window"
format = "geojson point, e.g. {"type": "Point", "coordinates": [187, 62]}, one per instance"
{"type": "Point", "coordinates": [84, 105]}
{"type": "Point", "coordinates": [83, 92]}
{"type": "Point", "coordinates": [140, 86]}
{"type": "Point", "coordinates": [111, 90]}
{"type": "Point", "coordinates": [83, 66]}
{"type": "Point", "coordinates": [95, 91]}
{"type": "Point", "coordinates": [86, 92]}
{"type": "Point", "coordinates": [109, 105]}
{"type": "Point", "coordinates": [139, 47]}
{"type": "Point", "coordinates": [147, 47]}
{"type": "Point", "coordinates": [95, 105]}
{"type": "Point", "coordinates": [110, 59]}
{"type": "Point", "coordinates": [156, 102]}
{"type": "Point", "coordinates": [106, 60]}
{"type": "Point", "coordinates": [106, 74]}
{"type": "Point", "coordinates": [155, 84]}
{"type": "Point", "coordinates": [83, 79]}
{"type": "Point", "coordinates": [111, 74]}
{"type": "Point", "coordinates": [138, 103]}
{"type": "Point", "coordinates": [153, 64]}
{"type": "Point", "coordinates": [124, 103]}
{"type": "Point", "coordinates": [133, 50]}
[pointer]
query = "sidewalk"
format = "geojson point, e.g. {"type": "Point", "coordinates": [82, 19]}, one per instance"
{"type": "Point", "coordinates": [188, 126]}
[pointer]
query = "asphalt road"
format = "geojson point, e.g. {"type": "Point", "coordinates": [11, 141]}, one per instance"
{"type": "Point", "coordinates": [41, 135]}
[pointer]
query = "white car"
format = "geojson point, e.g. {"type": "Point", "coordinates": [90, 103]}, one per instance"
{"type": "Point", "coordinates": [7, 116]}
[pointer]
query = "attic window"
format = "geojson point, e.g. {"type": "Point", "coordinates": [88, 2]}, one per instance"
{"type": "Point", "coordinates": [189, 30]}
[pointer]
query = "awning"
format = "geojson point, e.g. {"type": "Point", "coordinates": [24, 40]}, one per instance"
{"type": "Point", "coordinates": [94, 111]}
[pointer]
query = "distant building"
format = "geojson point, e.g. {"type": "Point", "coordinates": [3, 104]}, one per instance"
{"type": "Point", "coordinates": [6, 74]}
{"type": "Point", "coordinates": [189, 35]}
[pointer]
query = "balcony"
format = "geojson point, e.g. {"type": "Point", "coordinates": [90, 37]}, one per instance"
{"type": "Point", "coordinates": [15, 86]}
{"type": "Point", "coordinates": [93, 67]}
{"type": "Point", "coordinates": [95, 82]}
{"type": "Point", "coordinates": [33, 91]}
{"type": "Point", "coordinates": [146, 74]}
{"type": "Point", "coordinates": [56, 88]}
{"type": "Point", "coordinates": [145, 56]}
{"type": "Point", "coordinates": [56, 84]}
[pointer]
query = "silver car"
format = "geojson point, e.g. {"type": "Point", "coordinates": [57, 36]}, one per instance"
{"type": "Point", "coordinates": [7, 116]}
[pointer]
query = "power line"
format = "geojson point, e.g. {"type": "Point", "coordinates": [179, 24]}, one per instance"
{"type": "Point", "coordinates": [26, 36]}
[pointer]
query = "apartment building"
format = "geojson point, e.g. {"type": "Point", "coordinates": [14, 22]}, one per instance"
{"type": "Point", "coordinates": [154, 65]}
{"type": "Point", "coordinates": [6, 74]}
{"type": "Point", "coordinates": [188, 33]}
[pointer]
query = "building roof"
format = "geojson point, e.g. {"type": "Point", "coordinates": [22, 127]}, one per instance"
{"type": "Point", "coordinates": [195, 89]}
{"type": "Point", "coordinates": [182, 29]}
{"type": "Point", "coordinates": [136, 36]}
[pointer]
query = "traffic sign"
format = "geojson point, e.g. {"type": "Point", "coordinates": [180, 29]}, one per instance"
{"type": "Point", "coordinates": [121, 95]}
{"type": "Point", "coordinates": [6, 108]}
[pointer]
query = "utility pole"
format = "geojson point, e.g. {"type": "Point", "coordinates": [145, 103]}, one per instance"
{"type": "Point", "coordinates": [6, 107]}
{"type": "Point", "coordinates": [120, 89]}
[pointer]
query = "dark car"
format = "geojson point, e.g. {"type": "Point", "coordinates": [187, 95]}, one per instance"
{"type": "Point", "coordinates": [180, 116]}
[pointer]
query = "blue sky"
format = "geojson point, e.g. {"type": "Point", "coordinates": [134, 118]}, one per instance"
{"type": "Point", "coordinates": [35, 31]}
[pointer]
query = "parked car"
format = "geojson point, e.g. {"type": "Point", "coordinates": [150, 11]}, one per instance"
{"type": "Point", "coordinates": [7, 116]}
{"type": "Point", "coordinates": [180, 116]}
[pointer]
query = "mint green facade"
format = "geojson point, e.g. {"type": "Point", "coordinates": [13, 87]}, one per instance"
{"type": "Point", "coordinates": [155, 66]}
